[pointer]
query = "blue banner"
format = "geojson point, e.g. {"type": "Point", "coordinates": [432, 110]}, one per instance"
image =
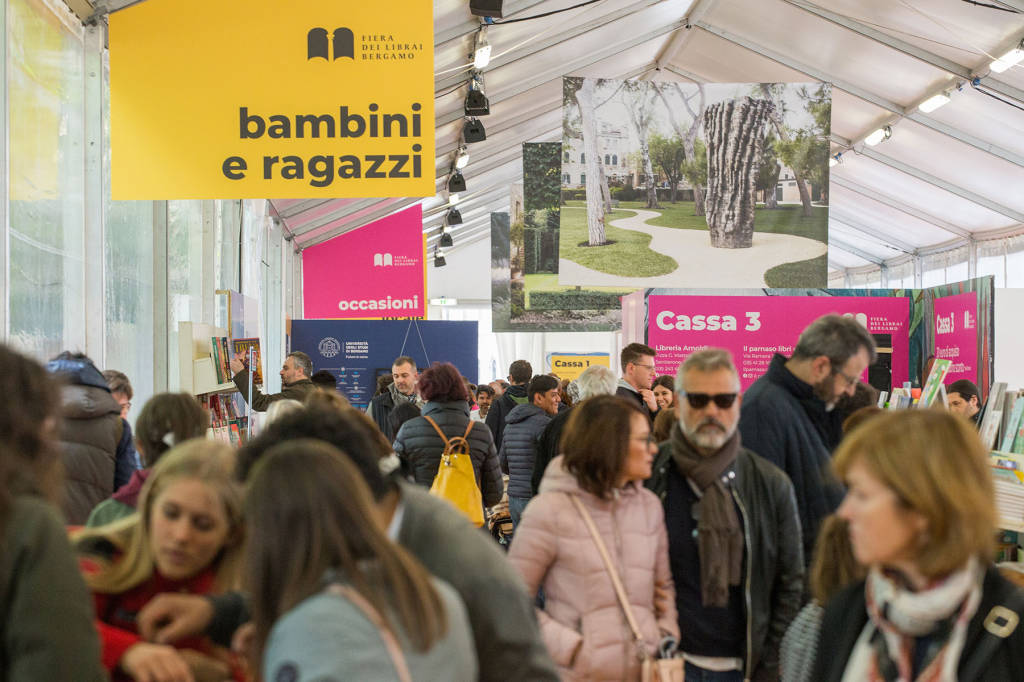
{"type": "Point", "coordinates": [356, 352]}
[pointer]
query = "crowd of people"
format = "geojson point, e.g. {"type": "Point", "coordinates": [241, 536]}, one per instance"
{"type": "Point", "coordinates": [794, 531]}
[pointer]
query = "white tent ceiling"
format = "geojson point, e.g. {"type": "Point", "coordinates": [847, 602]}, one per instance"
{"type": "Point", "coordinates": [942, 179]}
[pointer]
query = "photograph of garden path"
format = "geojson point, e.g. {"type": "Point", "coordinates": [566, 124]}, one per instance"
{"type": "Point", "coordinates": [694, 185]}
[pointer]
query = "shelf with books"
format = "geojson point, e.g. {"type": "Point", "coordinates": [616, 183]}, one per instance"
{"type": "Point", "coordinates": [197, 373]}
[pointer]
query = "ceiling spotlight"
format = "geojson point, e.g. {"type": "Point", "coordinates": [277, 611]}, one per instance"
{"type": "Point", "coordinates": [462, 157]}
{"type": "Point", "coordinates": [453, 217]}
{"type": "Point", "coordinates": [473, 131]}
{"type": "Point", "coordinates": [439, 261]}
{"type": "Point", "coordinates": [456, 183]}
{"type": "Point", "coordinates": [476, 103]}
{"type": "Point", "coordinates": [482, 49]}
{"type": "Point", "coordinates": [486, 8]}
{"type": "Point", "coordinates": [1012, 57]}
{"type": "Point", "coordinates": [877, 136]}
{"type": "Point", "coordinates": [453, 198]}
{"type": "Point", "coordinates": [446, 238]}
{"type": "Point", "coordinates": [832, 161]}
{"type": "Point", "coordinates": [934, 102]}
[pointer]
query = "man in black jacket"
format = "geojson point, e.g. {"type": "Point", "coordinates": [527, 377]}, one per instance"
{"type": "Point", "coordinates": [788, 414]}
{"type": "Point", "coordinates": [733, 534]}
{"type": "Point", "coordinates": [519, 373]}
{"type": "Point", "coordinates": [519, 448]}
{"type": "Point", "coordinates": [402, 389]}
{"type": "Point", "coordinates": [637, 361]}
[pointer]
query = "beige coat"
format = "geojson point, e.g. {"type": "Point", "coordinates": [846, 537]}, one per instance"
{"type": "Point", "coordinates": [582, 622]}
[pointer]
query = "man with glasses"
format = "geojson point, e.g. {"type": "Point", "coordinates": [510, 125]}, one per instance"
{"type": "Point", "coordinates": [733, 534]}
{"type": "Point", "coordinates": [789, 414]}
{"type": "Point", "coordinates": [637, 377]}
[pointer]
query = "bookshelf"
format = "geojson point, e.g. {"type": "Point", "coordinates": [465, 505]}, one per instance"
{"type": "Point", "coordinates": [197, 374]}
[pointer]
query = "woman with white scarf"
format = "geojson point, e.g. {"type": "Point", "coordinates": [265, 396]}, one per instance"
{"type": "Point", "coordinates": [920, 506]}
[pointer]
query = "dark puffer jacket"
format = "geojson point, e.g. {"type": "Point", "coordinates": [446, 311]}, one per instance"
{"type": "Point", "coordinates": [90, 433]}
{"type": "Point", "coordinates": [518, 453]}
{"type": "Point", "coordinates": [419, 447]}
{"type": "Point", "coordinates": [514, 396]}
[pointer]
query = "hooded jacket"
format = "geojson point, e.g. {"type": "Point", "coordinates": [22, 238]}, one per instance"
{"type": "Point", "coordinates": [513, 396]}
{"type": "Point", "coordinates": [419, 447]}
{"type": "Point", "coordinates": [91, 432]}
{"type": "Point", "coordinates": [582, 622]}
{"type": "Point", "coordinates": [783, 421]}
{"type": "Point", "coordinates": [519, 448]}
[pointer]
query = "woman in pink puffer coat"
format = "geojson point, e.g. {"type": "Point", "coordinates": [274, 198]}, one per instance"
{"type": "Point", "coordinates": [608, 451]}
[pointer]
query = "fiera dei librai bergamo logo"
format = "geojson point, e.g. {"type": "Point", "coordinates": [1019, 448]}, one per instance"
{"type": "Point", "coordinates": [341, 43]}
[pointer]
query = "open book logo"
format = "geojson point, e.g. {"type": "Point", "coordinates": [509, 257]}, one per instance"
{"type": "Point", "coordinates": [340, 44]}
{"type": "Point", "coordinates": [945, 324]}
{"type": "Point", "coordinates": [382, 259]}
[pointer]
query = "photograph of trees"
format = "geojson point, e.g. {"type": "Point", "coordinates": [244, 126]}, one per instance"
{"type": "Point", "coordinates": [694, 185]}
{"type": "Point", "coordinates": [526, 294]}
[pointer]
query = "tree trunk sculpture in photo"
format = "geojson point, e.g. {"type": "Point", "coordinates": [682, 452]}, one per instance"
{"type": "Point", "coordinates": [734, 131]}
{"type": "Point", "coordinates": [595, 203]}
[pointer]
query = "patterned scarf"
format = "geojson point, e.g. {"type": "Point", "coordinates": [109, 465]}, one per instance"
{"type": "Point", "coordinates": [897, 617]}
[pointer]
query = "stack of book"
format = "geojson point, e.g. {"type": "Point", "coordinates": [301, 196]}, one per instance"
{"type": "Point", "coordinates": [221, 358]}
{"type": "Point", "coordinates": [226, 423]}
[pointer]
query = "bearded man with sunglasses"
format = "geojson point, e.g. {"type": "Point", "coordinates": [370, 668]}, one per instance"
{"type": "Point", "coordinates": [733, 532]}
{"type": "Point", "coordinates": [789, 414]}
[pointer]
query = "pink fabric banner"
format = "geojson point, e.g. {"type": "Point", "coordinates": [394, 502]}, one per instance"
{"type": "Point", "coordinates": [374, 272]}
{"type": "Point", "coordinates": [754, 328]}
{"type": "Point", "coordinates": [956, 335]}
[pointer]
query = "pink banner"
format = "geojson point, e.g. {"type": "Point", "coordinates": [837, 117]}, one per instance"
{"type": "Point", "coordinates": [374, 272]}
{"type": "Point", "coordinates": [754, 328]}
{"type": "Point", "coordinates": [956, 335]}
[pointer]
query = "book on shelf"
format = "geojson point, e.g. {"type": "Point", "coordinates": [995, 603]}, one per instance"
{"type": "Point", "coordinates": [221, 359]}
{"type": "Point", "coordinates": [935, 379]}
{"type": "Point", "coordinates": [242, 346]}
{"type": "Point", "coordinates": [992, 417]}
{"type": "Point", "coordinates": [226, 423]}
{"type": "Point", "coordinates": [1012, 426]}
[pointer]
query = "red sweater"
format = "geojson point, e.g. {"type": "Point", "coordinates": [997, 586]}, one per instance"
{"type": "Point", "coordinates": [116, 615]}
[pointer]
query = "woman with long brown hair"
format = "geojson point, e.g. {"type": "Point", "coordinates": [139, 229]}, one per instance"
{"type": "Point", "coordinates": [332, 596]}
{"type": "Point", "coordinates": [596, 488]}
{"type": "Point", "coordinates": [46, 616]}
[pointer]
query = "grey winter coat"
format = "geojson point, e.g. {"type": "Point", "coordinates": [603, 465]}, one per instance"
{"type": "Point", "coordinates": [419, 447]}
{"type": "Point", "coordinates": [523, 427]}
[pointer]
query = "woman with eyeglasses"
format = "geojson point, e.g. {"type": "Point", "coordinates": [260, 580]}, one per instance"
{"type": "Point", "coordinates": [596, 486]}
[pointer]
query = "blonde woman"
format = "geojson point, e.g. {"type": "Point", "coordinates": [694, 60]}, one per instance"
{"type": "Point", "coordinates": [922, 520]}
{"type": "Point", "coordinates": [185, 538]}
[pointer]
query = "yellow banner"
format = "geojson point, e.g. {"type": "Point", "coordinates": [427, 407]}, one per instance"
{"type": "Point", "coordinates": [571, 365]}
{"type": "Point", "coordinates": [272, 99]}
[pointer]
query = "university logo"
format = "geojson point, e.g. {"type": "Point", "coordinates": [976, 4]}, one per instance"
{"type": "Point", "coordinates": [382, 259]}
{"type": "Point", "coordinates": [329, 347]}
{"type": "Point", "coordinates": [318, 42]}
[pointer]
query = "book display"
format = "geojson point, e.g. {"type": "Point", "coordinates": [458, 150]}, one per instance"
{"type": "Point", "coordinates": [1003, 427]}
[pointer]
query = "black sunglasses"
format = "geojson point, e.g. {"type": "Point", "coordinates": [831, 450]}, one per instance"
{"type": "Point", "coordinates": [699, 400]}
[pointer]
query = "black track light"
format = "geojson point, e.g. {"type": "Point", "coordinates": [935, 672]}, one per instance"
{"type": "Point", "coordinates": [486, 8]}
{"type": "Point", "coordinates": [453, 217]}
{"type": "Point", "coordinates": [473, 131]}
{"type": "Point", "coordinates": [477, 104]}
{"type": "Point", "coordinates": [446, 239]}
{"type": "Point", "coordinates": [456, 183]}
{"type": "Point", "coordinates": [439, 261]}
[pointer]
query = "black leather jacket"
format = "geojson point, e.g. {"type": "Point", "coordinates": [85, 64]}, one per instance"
{"type": "Point", "coordinates": [773, 584]}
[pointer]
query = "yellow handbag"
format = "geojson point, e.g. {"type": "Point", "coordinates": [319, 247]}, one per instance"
{"type": "Point", "coordinates": [455, 480]}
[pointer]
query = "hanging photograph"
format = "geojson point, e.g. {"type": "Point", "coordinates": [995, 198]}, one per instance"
{"type": "Point", "coordinates": [538, 302]}
{"type": "Point", "coordinates": [694, 185]}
